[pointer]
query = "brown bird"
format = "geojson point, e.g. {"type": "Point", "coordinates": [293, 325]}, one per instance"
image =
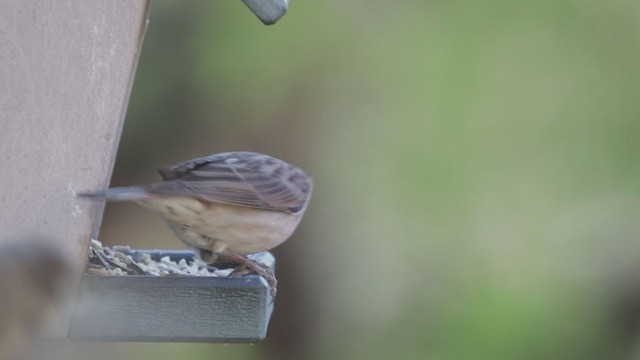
{"type": "Point", "coordinates": [230, 204]}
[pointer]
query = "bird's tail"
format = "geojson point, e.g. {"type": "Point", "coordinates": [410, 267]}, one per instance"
{"type": "Point", "coordinates": [128, 193]}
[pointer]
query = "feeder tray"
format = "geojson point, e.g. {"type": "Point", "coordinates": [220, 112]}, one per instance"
{"type": "Point", "coordinates": [142, 308]}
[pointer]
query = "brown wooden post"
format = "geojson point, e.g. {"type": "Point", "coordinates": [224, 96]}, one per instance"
{"type": "Point", "coordinates": [66, 70]}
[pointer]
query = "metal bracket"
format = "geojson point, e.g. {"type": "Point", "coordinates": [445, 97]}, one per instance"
{"type": "Point", "coordinates": [268, 11]}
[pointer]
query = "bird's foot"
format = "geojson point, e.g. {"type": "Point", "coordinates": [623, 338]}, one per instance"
{"type": "Point", "coordinates": [246, 265]}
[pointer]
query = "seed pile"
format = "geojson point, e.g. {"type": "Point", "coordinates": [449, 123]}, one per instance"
{"type": "Point", "coordinates": [117, 260]}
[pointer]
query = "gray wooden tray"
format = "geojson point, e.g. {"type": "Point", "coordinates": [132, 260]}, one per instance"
{"type": "Point", "coordinates": [173, 308]}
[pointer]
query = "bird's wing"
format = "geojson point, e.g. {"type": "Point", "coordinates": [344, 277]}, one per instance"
{"type": "Point", "coordinates": [238, 178]}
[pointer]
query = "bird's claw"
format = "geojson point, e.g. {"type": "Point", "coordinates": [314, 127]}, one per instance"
{"type": "Point", "coordinates": [261, 269]}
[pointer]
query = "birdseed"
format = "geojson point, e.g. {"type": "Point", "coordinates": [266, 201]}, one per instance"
{"type": "Point", "coordinates": [117, 260]}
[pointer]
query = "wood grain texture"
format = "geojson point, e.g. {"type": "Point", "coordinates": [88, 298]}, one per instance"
{"type": "Point", "coordinates": [173, 308]}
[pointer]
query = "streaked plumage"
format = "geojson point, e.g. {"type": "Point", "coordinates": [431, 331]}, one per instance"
{"type": "Point", "coordinates": [239, 178]}
{"type": "Point", "coordinates": [232, 202]}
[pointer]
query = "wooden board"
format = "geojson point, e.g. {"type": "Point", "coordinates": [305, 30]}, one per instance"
{"type": "Point", "coordinates": [66, 70]}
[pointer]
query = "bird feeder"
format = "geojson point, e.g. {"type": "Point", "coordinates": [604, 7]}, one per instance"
{"type": "Point", "coordinates": [67, 71]}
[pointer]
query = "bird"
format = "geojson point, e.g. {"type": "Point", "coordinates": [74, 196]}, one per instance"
{"type": "Point", "coordinates": [226, 205]}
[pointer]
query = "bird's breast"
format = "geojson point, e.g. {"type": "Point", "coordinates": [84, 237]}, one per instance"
{"type": "Point", "coordinates": [207, 225]}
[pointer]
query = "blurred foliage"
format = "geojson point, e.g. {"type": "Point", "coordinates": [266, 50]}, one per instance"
{"type": "Point", "coordinates": [476, 165]}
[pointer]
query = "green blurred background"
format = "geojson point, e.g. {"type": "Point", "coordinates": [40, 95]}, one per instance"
{"type": "Point", "coordinates": [476, 166]}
